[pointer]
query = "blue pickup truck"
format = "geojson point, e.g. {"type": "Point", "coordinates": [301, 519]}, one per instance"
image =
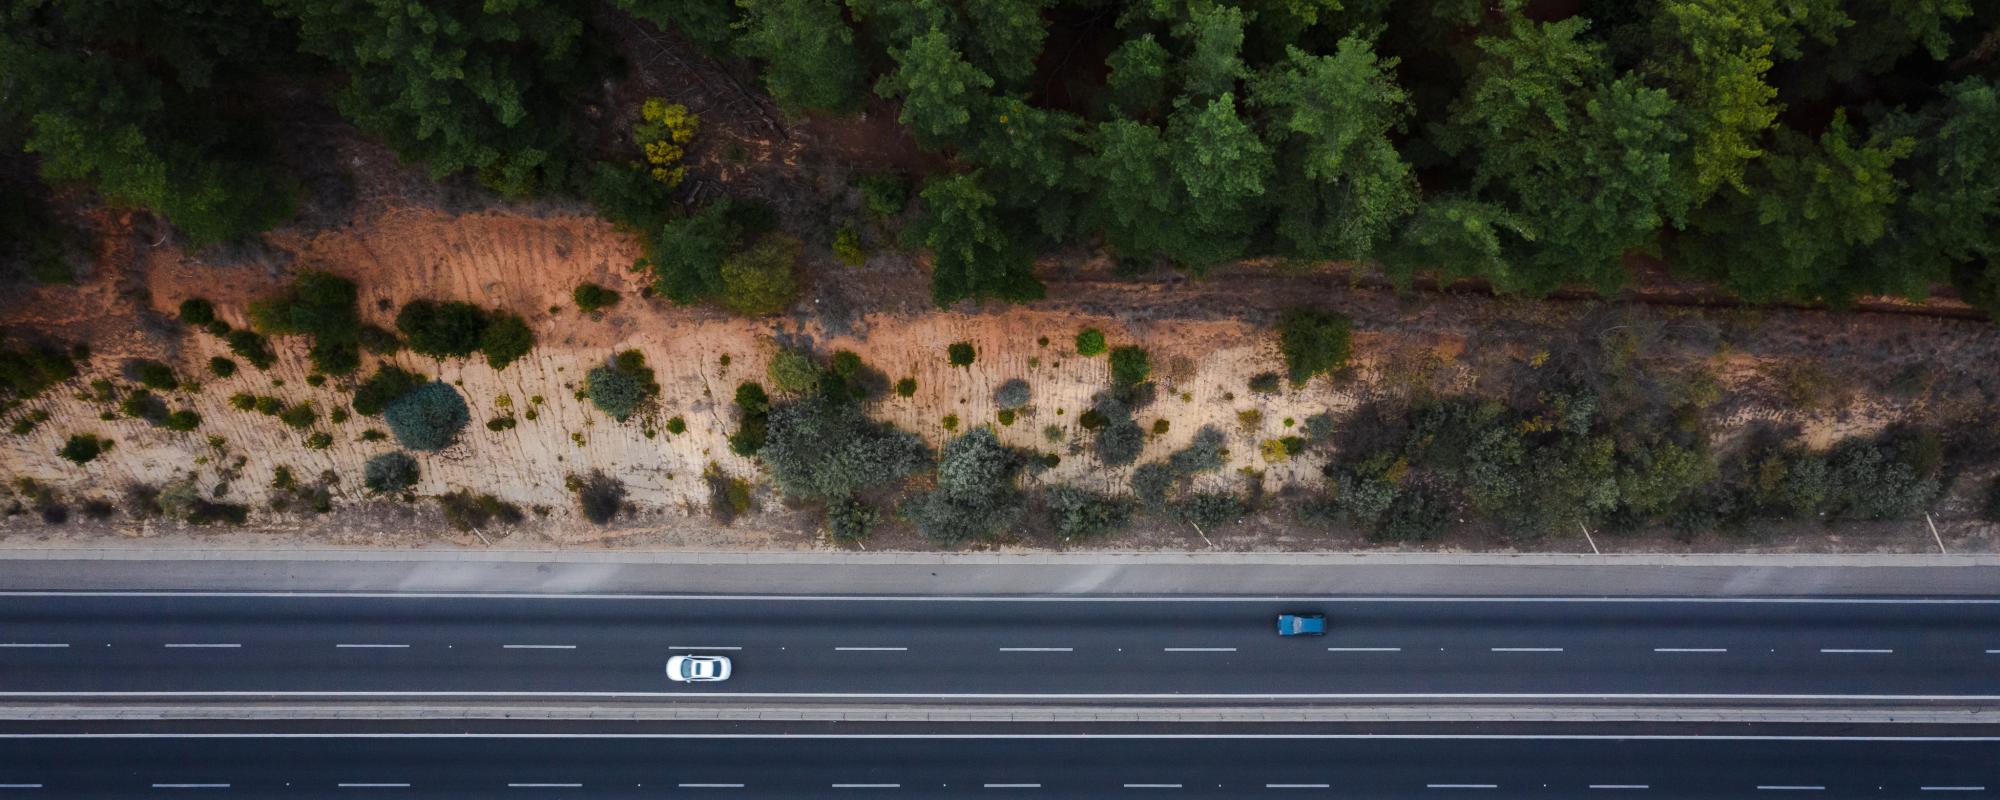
{"type": "Point", "coordinates": [1301, 624]}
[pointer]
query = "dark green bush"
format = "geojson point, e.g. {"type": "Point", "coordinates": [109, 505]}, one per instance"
{"type": "Point", "coordinates": [83, 448]}
{"type": "Point", "coordinates": [388, 383]}
{"type": "Point", "coordinates": [222, 367]}
{"type": "Point", "coordinates": [197, 311]}
{"type": "Point", "coordinates": [677, 426]}
{"type": "Point", "coordinates": [453, 329]}
{"type": "Point", "coordinates": [183, 420]}
{"type": "Point", "coordinates": [1314, 342]}
{"type": "Point", "coordinates": [975, 496]}
{"type": "Point", "coordinates": [885, 193]}
{"type": "Point", "coordinates": [906, 387]}
{"type": "Point", "coordinates": [620, 388]}
{"type": "Point", "coordinates": [1415, 515]}
{"type": "Point", "coordinates": [465, 511]}
{"type": "Point", "coordinates": [590, 297]}
{"type": "Point", "coordinates": [269, 406]}
{"type": "Point", "coordinates": [153, 375]}
{"type": "Point", "coordinates": [427, 417]}
{"type": "Point", "coordinates": [142, 404]}
{"type": "Point", "coordinates": [300, 416]}
{"type": "Point", "coordinates": [252, 347]}
{"type": "Point", "coordinates": [600, 497]}
{"type": "Point", "coordinates": [505, 339]}
{"type": "Point", "coordinates": [819, 448]}
{"type": "Point", "coordinates": [320, 305]}
{"type": "Point", "coordinates": [318, 440]}
{"type": "Point", "coordinates": [1265, 383]}
{"type": "Point", "coordinates": [794, 372]}
{"type": "Point", "coordinates": [753, 409]}
{"type": "Point", "coordinates": [379, 340]}
{"type": "Point", "coordinates": [1130, 366]}
{"type": "Point", "coordinates": [849, 519]}
{"type": "Point", "coordinates": [1089, 342]}
{"type": "Point", "coordinates": [390, 472]}
{"type": "Point", "coordinates": [1120, 442]}
{"type": "Point", "coordinates": [961, 354]}
{"type": "Point", "coordinates": [1208, 510]}
{"type": "Point", "coordinates": [1077, 513]}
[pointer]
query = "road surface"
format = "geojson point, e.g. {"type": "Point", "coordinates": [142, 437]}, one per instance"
{"type": "Point", "coordinates": [989, 767]}
{"type": "Point", "coordinates": [1943, 650]}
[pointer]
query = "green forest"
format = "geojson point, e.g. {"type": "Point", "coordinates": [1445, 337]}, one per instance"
{"type": "Point", "coordinates": [1786, 150]}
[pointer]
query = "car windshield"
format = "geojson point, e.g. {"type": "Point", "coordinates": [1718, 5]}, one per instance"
{"type": "Point", "coordinates": [688, 668]}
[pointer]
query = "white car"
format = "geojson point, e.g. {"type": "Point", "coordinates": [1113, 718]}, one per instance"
{"type": "Point", "coordinates": [698, 669]}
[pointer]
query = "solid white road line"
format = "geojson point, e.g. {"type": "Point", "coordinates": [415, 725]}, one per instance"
{"type": "Point", "coordinates": [1200, 649]}
{"type": "Point", "coordinates": [1690, 649]}
{"type": "Point", "coordinates": [374, 786]}
{"type": "Point", "coordinates": [1850, 650]}
{"type": "Point", "coordinates": [1953, 788]}
{"type": "Point", "coordinates": [1493, 696]}
{"type": "Point", "coordinates": [57, 645]}
{"type": "Point", "coordinates": [1037, 649]}
{"type": "Point", "coordinates": [202, 645]}
{"type": "Point", "coordinates": [1364, 649]}
{"type": "Point", "coordinates": [538, 647]}
{"type": "Point", "coordinates": [1422, 737]}
{"type": "Point", "coordinates": [1620, 786]}
{"type": "Point", "coordinates": [872, 649]}
{"type": "Point", "coordinates": [371, 646]}
{"type": "Point", "coordinates": [1526, 649]}
{"type": "Point", "coordinates": [20, 786]}
{"type": "Point", "coordinates": [1791, 788]}
{"type": "Point", "coordinates": [795, 598]}
{"type": "Point", "coordinates": [693, 647]}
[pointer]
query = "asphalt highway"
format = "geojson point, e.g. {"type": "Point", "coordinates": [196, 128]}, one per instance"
{"type": "Point", "coordinates": [111, 645]}
{"type": "Point", "coordinates": [986, 766]}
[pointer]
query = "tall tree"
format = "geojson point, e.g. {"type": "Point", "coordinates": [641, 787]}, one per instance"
{"type": "Point", "coordinates": [457, 86]}
{"type": "Point", "coordinates": [1027, 157]}
{"type": "Point", "coordinates": [710, 23]}
{"type": "Point", "coordinates": [1950, 224]}
{"type": "Point", "coordinates": [1223, 170]}
{"type": "Point", "coordinates": [973, 252]}
{"type": "Point", "coordinates": [940, 91]}
{"type": "Point", "coordinates": [1137, 86]}
{"type": "Point", "coordinates": [1213, 35]}
{"type": "Point", "coordinates": [1341, 184]}
{"type": "Point", "coordinates": [808, 51]}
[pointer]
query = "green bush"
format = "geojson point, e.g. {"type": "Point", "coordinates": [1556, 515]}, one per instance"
{"type": "Point", "coordinates": [154, 375]}
{"type": "Point", "coordinates": [427, 417]}
{"type": "Point", "coordinates": [1415, 515]}
{"type": "Point", "coordinates": [269, 406]}
{"type": "Point", "coordinates": [221, 367]}
{"type": "Point", "coordinates": [465, 511]}
{"type": "Point", "coordinates": [1077, 513]}
{"type": "Point", "coordinates": [794, 372]}
{"type": "Point", "coordinates": [252, 347]}
{"type": "Point", "coordinates": [183, 420]}
{"type": "Point", "coordinates": [1208, 510]}
{"type": "Point", "coordinates": [498, 424]}
{"type": "Point", "coordinates": [758, 280]}
{"type": "Point", "coordinates": [83, 448]}
{"type": "Point", "coordinates": [820, 448]}
{"type": "Point", "coordinates": [961, 354]}
{"type": "Point", "coordinates": [505, 339]}
{"type": "Point", "coordinates": [388, 383]}
{"type": "Point", "coordinates": [677, 426]}
{"type": "Point", "coordinates": [1265, 383]}
{"type": "Point", "coordinates": [906, 387]}
{"type": "Point", "coordinates": [320, 305]}
{"type": "Point", "coordinates": [598, 496]}
{"type": "Point", "coordinates": [847, 247]}
{"type": "Point", "coordinates": [753, 408]}
{"type": "Point", "coordinates": [142, 404]}
{"type": "Point", "coordinates": [849, 519]}
{"type": "Point", "coordinates": [975, 496]}
{"type": "Point", "coordinates": [1130, 366]}
{"type": "Point", "coordinates": [318, 440]}
{"type": "Point", "coordinates": [1120, 441]}
{"type": "Point", "coordinates": [885, 193]}
{"type": "Point", "coordinates": [197, 312]}
{"type": "Point", "coordinates": [453, 329]}
{"type": "Point", "coordinates": [590, 297]}
{"type": "Point", "coordinates": [1089, 342]}
{"type": "Point", "coordinates": [379, 340]}
{"type": "Point", "coordinates": [1314, 342]}
{"type": "Point", "coordinates": [300, 416]}
{"type": "Point", "coordinates": [390, 472]}
{"type": "Point", "coordinates": [620, 388]}
{"type": "Point", "coordinates": [27, 372]}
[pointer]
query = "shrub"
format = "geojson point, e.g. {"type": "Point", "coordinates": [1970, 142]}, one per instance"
{"type": "Point", "coordinates": [1151, 483]}
{"type": "Point", "coordinates": [906, 387]}
{"type": "Point", "coordinates": [1204, 454]}
{"type": "Point", "coordinates": [505, 339]}
{"type": "Point", "coordinates": [677, 426]}
{"type": "Point", "coordinates": [252, 347]}
{"type": "Point", "coordinates": [758, 280]}
{"type": "Point", "coordinates": [1090, 342]}
{"type": "Point", "coordinates": [847, 247]}
{"type": "Point", "coordinates": [885, 193]}
{"type": "Point", "coordinates": [1314, 342]}
{"type": "Point", "coordinates": [27, 372]}
{"type": "Point", "coordinates": [599, 496]}
{"type": "Point", "coordinates": [221, 367]}
{"type": "Point", "coordinates": [1890, 477]}
{"type": "Point", "coordinates": [320, 305]}
{"type": "Point", "coordinates": [1013, 394]}
{"type": "Point", "coordinates": [197, 311]}
{"type": "Point", "coordinates": [975, 495]}
{"type": "Point", "coordinates": [753, 408]}
{"type": "Point", "coordinates": [1264, 383]}
{"type": "Point", "coordinates": [154, 375]}
{"type": "Point", "coordinates": [300, 416]}
{"type": "Point", "coordinates": [620, 388]}
{"type": "Point", "coordinates": [1161, 426]}
{"type": "Point", "coordinates": [83, 448]}
{"type": "Point", "coordinates": [379, 340]}
{"type": "Point", "coordinates": [439, 330]}
{"type": "Point", "coordinates": [427, 417]}
{"type": "Point", "coordinates": [1092, 419]}
{"type": "Point", "coordinates": [820, 448]}
{"type": "Point", "coordinates": [498, 424]}
{"type": "Point", "coordinates": [318, 440]}
{"type": "Point", "coordinates": [794, 372]}
{"type": "Point", "coordinates": [269, 406]}
{"type": "Point", "coordinates": [389, 472]}
{"type": "Point", "coordinates": [950, 422]}
{"type": "Point", "coordinates": [849, 519]}
{"type": "Point", "coordinates": [590, 297]}
{"type": "Point", "coordinates": [1120, 442]}
{"type": "Point", "coordinates": [1989, 505]}
{"type": "Point", "coordinates": [466, 511]}
{"type": "Point", "coordinates": [847, 364]}
{"type": "Point", "coordinates": [961, 354]}
{"type": "Point", "coordinates": [183, 420]}
{"type": "Point", "coordinates": [1415, 515]}
{"type": "Point", "coordinates": [1208, 509]}
{"type": "Point", "coordinates": [1129, 366]}
{"type": "Point", "coordinates": [388, 383]}
{"type": "Point", "coordinates": [315, 380]}
{"type": "Point", "coordinates": [217, 328]}
{"type": "Point", "coordinates": [1078, 513]}
{"type": "Point", "coordinates": [141, 404]}
{"type": "Point", "coordinates": [374, 435]}
{"type": "Point", "coordinates": [1005, 416]}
